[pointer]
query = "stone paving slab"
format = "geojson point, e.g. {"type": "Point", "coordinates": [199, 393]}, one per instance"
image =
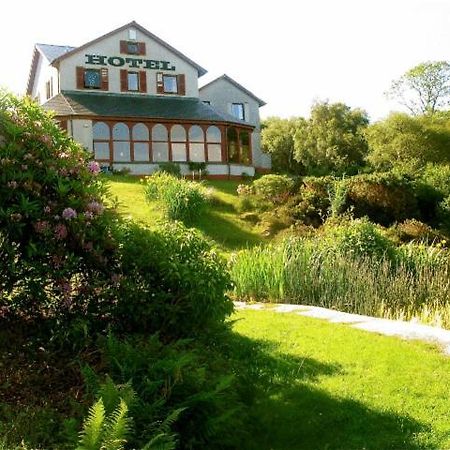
{"type": "Point", "coordinates": [403, 329]}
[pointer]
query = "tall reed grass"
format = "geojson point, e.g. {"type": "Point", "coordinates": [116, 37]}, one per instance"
{"type": "Point", "coordinates": [415, 284]}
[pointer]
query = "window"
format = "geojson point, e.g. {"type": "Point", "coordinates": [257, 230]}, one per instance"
{"type": "Point", "coordinates": [170, 84]}
{"type": "Point", "coordinates": [140, 142]}
{"type": "Point", "coordinates": [49, 88]}
{"type": "Point", "coordinates": [92, 79]}
{"type": "Point", "coordinates": [233, 145]}
{"type": "Point", "coordinates": [132, 48]}
{"type": "Point", "coordinates": [237, 110]}
{"type": "Point", "coordinates": [214, 144]}
{"type": "Point", "coordinates": [160, 143]}
{"type": "Point", "coordinates": [244, 141]}
{"type": "Point", "coordinates": [132, 35]}
{"type": "Point", "coordinates": [133, 81]}
{"type": "Point", "coordinates": [178, 140]}
{"type": "Point", "coordinates": [121, 143]}
{"type": "Point", "coordinates": [101, 136]}
{"type": "Point", "coordinates": [196, 144]}
{"type": "Point", "coordinates": [206, 102]}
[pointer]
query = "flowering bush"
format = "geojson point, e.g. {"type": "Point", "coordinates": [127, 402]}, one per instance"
{"type": "Point", "coordinates": [57, 250]}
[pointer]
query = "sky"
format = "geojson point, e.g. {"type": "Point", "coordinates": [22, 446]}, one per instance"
{"type": "Point", "coordinates": [290, 53]}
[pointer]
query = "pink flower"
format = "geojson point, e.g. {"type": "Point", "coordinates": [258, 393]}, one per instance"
{"type": "Point", "coordinates": [69, 214]}
{"type": "Point", "coordinates": [46, 139]}
{"type": "Point", "coordinates": [89, 215]}
{"type": "Point", "coordinates": [95, 207]}
{"type": "Point", "coordinates": [24, 167]}
{"type": "Point", "coordinates": [94, 167]}
{"type": "Point", "coordinates": [63, 172]}
{"type": "Point", "coordinates": [47, 209]}
{"type": "Point", "coordinates": [41, 226]}
{"type": "Point", "coordinates": [12, 184]}
{"type": "Point", "coordinates": [63, 155]}
{"type": "Point", "coordinates": [60, 231]}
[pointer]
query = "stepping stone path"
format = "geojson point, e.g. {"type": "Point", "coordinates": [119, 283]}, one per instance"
{"type": "Point", "coordinates": [406, 330]}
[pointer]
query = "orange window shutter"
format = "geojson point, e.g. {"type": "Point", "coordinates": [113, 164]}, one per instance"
{"type": "Point", "coordinates": [142, 50]}
{"type": "Point", "coordinates": [159, 83]}
{"type": "Point", "coordinates": [123, 47]}
{"type": "Point", "coordinates": [105, 80]}
{"type": "Point", "coordinates": [181, 81]}
{"type": "Point", "coordinates": [142, 81]}
{"type": "Point", "coordinates": [80, 77]}
{"type": "Point", "coordinates": [123, 80]}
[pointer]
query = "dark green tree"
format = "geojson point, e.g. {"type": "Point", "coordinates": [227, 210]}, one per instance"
{"type": "Point", "coordinates": [277, 138]}
{"type": "Point", "coordinates": [332, 141]}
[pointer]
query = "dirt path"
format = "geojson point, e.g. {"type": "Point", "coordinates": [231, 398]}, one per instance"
{"type": "Point", "coordinates": [406, 330]}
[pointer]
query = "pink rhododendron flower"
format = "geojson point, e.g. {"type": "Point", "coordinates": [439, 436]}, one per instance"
{"type": "Point", "coordinates": [69, 213]}
{"type": "Point", "coordinates": [46, 139]}
{"type": "Point", "coordinates": [41, 226]}
{"type": "Point", "coordinates": [60, 231]}
{"type": "Point", "coordinates": [95, 207]}
{"type": "Point", "coordinates": [94, 167]}
{"type": "Point", "coordinates": [89, 215]}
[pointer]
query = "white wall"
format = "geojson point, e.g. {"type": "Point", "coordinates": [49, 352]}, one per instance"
{"type": "Point", "coordinates": [221, 94]}
{"type": "Point", "coordinates": [44, 72]}
{"type": "Point", "coordinates": [82, 132]}
{"type": "Point", "coordinates": [110, 46]}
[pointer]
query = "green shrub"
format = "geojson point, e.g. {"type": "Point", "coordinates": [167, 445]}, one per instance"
{"type": "Point", "coordinates": [358, 237]}
{"type": "Point", "coordinates": [173, 282]}
{"type": "Point", "coordinates": [384, 198]}
{"type": "Point", "coordinates": [311, 204]}
{"type": "Point", "coordinates": [171, 168]}
{"type": "Point", "coordinates": [414, 230]}
{"type": "Point", "coordinates": [274, 188]}
{"type": "Point", "coordinates": [181, 199]}
{"type": "Point", "coordinates": [57, 252]}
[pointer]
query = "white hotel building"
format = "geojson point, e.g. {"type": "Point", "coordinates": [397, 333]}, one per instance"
{"type": "Point", "coordinates": [134, 101]}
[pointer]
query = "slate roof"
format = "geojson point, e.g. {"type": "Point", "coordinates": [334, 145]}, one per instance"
{"type": "Point", "coordinates": [69, 103]}
{"type": "Point", "coordinates": [51, 52]}
{"type": "Point", "coordinates": [237, 85]}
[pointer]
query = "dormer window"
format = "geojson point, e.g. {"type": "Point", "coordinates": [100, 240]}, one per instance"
{"type": "Point", "coordinates": [92, 79]}
{"type": "Point", "coordinates": [132, 35]}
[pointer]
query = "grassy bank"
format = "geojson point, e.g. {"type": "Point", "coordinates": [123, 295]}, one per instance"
{"type": "Point", "coordinates": [220, 223]}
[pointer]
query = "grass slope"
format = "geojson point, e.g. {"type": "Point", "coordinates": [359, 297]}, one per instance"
{"type": "Point", "coordinates": [221, 223]}
{"type": "Point", "coordinates": [334, 387]}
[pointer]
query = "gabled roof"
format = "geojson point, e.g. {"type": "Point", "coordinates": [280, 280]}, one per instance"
{"type": "Point", "coordinates": [237, 85]}
{"type": "Point", "coordinates": [49, 52]}
{"type": "Point", "coordinates": [201, 71]}
{"type": "Point", "coordinates": [73, 103]}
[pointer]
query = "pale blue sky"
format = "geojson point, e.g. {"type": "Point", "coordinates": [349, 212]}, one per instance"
{"type": "Point", "coordinates": [287, 52]}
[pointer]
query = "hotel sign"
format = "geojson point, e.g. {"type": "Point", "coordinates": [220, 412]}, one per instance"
{"type": "Point", "coordinates": [134, 63]}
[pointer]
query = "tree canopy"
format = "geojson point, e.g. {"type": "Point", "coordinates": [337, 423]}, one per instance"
{"type": "Point", "coordinates": [424, 89]}
{"type": "Point", "coordinates": [332, 140]}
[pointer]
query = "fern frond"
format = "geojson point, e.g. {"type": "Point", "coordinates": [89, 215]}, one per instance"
{"type": "Point", "coordinates": [162, 441]}
{"type": "Point", "coordinates": [92, 432]}
{"type": "Point", "coordinates": [117, 428]}
{"type": "Point", "coordinates": [112, 393]}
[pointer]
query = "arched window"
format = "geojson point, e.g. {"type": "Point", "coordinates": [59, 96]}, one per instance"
{"type": "Point", "coordinates": [160, 143]}
{"type": "Point", "coordinates": [121, 143]}
{"type": "Point", "coordinates": [101, 136]}
{"type": "Point", "coordinates": [178, 141]}
{"type": "Point", "coordinates": [233, 145]}
{"type": "Point", "coordinates": [214, 144]}
{"type": "Point", "coordinates": [196, 144]}
{"type": "Point", "coordinates": [244, 141]}
{"type": "Point", "coordinates": [140, 137]}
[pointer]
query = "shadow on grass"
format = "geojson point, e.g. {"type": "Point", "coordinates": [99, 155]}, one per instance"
{"type": "Point", "coordinates": [287, 412]}
{"type": "Point", "coordinates": [226, 232]}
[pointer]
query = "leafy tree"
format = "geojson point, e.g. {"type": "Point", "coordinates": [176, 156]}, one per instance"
{"type": "Point", "coordinates": [424, 89]}
{"type": "Point", "coordinates": [277, 136]}
{"type": "Point", "coordinates": [332, 140]}
{"type": "Point", "coordinates": [409, 142]}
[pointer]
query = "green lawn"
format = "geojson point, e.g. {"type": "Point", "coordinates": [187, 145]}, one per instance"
{"type": "Point", "coordinates": [221, 223]}
{"type": "Point", "coordinates": [328, 386]}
